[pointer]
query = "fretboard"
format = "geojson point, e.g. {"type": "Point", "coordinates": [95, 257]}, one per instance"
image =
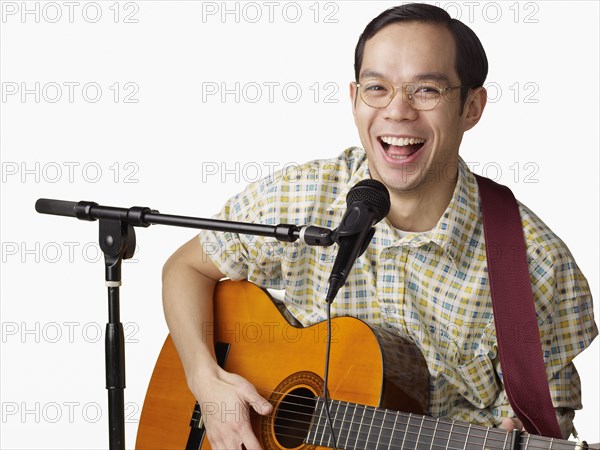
{"type": "Point", "coordinates": [365, 427]}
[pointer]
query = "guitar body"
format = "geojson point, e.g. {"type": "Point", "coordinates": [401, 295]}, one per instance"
{"type": "Point", "coordinates": [286, 364]}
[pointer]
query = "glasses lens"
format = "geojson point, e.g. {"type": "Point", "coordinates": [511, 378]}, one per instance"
{"type": "Point", "coordinates": [376, 92]}
{"type": "Point", "coordinates": [423, 96]}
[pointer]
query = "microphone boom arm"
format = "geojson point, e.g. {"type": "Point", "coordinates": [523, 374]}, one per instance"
{"type": "Point", "coordinates": [144, 217]}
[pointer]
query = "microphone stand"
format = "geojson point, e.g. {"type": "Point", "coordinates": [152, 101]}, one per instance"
{"type": "Point", "coordinates": [117, 242]}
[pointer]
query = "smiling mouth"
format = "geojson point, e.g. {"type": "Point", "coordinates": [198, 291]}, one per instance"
{"type": "Point", "coordinates": [401, 147]}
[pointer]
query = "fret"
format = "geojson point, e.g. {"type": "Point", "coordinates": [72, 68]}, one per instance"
{"type": "Point", "coordinates": [397, 433]}
{"type": "Point", "coordinates": [494, 438]}
{"type": "Point", "coordinates": [467, 437]}
{"type": "Point", "coordinates": [476, 437]}
{"type": "Point", "coordinates": [362, 417]}
{"type": "Point", "coordinates": [383, 430]}
{"type": "Point", "coordinates": [425, 435]}
{"type": "Point", "coordinates": [458, 437]}
{"type": "Point", "coordinates": [405, 432]}
{"type": "Point", "coordinates": [317, 431]}
{"type": "Point", "coordinates": [371, 425]}
{"type": "Point", "coordinates": [442, 434]}
{"type": "Point", "coordinates": [419, 432]}
{"type": "Point", "coordinates": [539, 442]}
{"type": "Point", "coordinates": [352, 430]}
{"type": "Point", "coordinates": [449, 434]}
{"type": "Point", "coordinates": [345, 427]}
{"type": "Point", "coordinates": [392, 432]}
{"type": "Point", "coordinates": [437, 421]}
{"type": "Point", "coordinates": [335, 430]}
{"type": "Point", "coordinates": [364, 433]}
{"type": "Point", "coordinates": [384, 424]}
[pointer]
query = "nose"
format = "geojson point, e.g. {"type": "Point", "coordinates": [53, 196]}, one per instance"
{"type": "Point", "coordinates": [399, 109]}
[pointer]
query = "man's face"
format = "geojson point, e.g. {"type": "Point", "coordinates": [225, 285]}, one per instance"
{"type": "Point", "coordinates": [400, 53]}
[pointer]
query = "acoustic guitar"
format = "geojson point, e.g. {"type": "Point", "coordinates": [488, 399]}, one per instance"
{"type": "Point", "coordinates": [378, 384]}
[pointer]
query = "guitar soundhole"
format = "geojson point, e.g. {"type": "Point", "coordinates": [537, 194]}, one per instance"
{"type": "Point", "coordinates": [293, 417]}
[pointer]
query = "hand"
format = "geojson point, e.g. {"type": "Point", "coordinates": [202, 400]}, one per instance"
{"type": "Point", "coordinates": [225, 400]}
{"type": "Point", "coordinates": [510, 424]}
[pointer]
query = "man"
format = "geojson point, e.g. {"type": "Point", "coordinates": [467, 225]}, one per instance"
{"type": "Point", "coordinates": [418, 88]}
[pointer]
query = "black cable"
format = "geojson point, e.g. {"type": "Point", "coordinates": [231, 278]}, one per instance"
{"type": "Point", "coordinates": [326, 376]}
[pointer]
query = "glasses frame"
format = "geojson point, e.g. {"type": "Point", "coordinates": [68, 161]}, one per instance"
{"type": "Point", "coordinates": [443, 92]}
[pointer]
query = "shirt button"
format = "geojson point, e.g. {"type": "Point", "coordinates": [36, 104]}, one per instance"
{"type": "Point", "coordinates": [390, 310]}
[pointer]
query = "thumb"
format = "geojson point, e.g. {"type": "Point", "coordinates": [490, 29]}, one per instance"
{"type": "Point", "coordinates": [260, 404]}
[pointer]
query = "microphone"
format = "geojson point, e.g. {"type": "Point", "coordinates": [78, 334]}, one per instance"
{"type": "Point", "coordinates": [368, 202]}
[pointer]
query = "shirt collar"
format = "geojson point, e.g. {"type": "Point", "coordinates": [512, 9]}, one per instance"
{"type": "Point", "coordinates": [453, 232]}
{"type": "Point", "coordinates": [361, 173]}
{"type": "Point", "coordinates": [455, 229]}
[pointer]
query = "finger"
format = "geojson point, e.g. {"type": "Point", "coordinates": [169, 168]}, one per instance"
{"type": "Point", "coordinates": [238, 436]}
{"type": "Point", "coordinates": [250, 442]}
{"type": "Point", "coordinates": [260, 405]}
{"type": "Point", "coordinates": [258, 402]}
{"type": "Point", "coordinates": [511, 423]}
{"type": "Point", "coordinates": [250, 394]}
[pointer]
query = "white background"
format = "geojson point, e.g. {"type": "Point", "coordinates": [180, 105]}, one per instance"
{"type": "Point", "coordinates": [164, 142]}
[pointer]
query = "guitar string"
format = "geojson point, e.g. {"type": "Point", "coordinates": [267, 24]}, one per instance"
{"type": "Point", "coordinates": [451, 436]}
{"type": "Point", "coordinates": [406, 421]}
{"type": "Point", "coordinates": [504, 442]}
{"type": "Point", "coordinates": [461, 446]}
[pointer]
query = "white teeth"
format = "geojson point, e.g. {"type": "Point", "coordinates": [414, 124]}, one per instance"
{"type": "Point", "coordinates": [401, 142]}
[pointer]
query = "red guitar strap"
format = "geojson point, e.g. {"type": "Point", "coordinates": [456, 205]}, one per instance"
{"type": "Point", "coordinates": [523, 370]}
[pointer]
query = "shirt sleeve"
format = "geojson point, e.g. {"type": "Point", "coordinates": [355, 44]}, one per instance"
{"type": "Point", "coordinates": [241, 256]}
{"type": "Point", "coordinates": [565, 319]}
{"type": "Point", "coordinates": [566, 325]}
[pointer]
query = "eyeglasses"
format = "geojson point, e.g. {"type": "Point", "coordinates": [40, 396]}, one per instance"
{"type": "Point", "coordinates": [421, 96]}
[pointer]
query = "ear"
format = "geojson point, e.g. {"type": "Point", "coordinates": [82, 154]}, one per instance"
{"type": "Point", "coordinates": [474, 107]}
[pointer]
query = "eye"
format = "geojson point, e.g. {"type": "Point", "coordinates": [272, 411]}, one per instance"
{"type": "Point", "coordinates": [425, 89]}
{"type": "Point", "coordinates": [375, 87]}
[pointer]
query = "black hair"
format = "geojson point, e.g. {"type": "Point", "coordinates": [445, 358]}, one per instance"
{"type": "Point", "coordinates": [471, 62]}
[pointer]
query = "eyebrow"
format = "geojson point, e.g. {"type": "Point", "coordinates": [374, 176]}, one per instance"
{"type": "Point", "coordinates": [427, 76]}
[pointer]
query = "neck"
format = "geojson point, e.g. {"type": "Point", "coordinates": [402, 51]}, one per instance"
{"type": "Point", "coordinates": [421, 209]}
{"type": "Point", "coordinates": [359, 426]}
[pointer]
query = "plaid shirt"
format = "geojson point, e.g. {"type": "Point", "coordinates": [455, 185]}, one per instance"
{"type": "Point", "coordinates": [430, 287]}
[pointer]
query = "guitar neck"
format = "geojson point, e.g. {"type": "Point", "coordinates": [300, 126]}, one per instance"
{"type": "Point", "coordinates": [359, 427]}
